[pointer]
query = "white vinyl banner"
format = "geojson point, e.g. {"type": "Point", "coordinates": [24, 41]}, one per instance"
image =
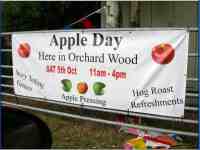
{"type": "Point", "coordinates": [131, 70]}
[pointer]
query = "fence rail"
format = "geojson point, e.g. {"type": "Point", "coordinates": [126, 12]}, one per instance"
{"type": "Point", "coordinates": [187, 94]}
{"type": "Point", "coordinates": [99, 120]}
{"type": "Point", "coordinates": [190, 29]}
{"type": "Point", "coordinates": [112, 111]}
{"type": "Point", "coordinates": [11, 77]}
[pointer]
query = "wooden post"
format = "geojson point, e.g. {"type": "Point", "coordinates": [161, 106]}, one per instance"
{"type": "Point", "coordinates": [111, 17]}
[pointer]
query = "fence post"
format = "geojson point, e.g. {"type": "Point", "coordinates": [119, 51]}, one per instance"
{"type": "Point", "coordinates": [198, 67]}
{"type": "Point", "coordinates": [112, 14]}
{"type": "Point", "coordinates": [1, 130]}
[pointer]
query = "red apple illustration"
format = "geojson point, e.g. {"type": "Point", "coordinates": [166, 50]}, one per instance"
{"type": "Point", "coordinates": [24, 50]}
{"type": "Point", "coordinates": [163, 53]}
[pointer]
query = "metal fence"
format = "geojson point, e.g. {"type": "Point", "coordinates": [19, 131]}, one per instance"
{"type": "Point", "coordinates": [150, 15]}
{"type": "Point", "coordinates": [187, 126]}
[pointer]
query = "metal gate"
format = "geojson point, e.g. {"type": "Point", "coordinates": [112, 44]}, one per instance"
{"type": "Point", "coordinates": [187, 126]}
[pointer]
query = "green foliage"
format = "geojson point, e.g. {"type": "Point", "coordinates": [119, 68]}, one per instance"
{"type": "Point", "coordinates": [45, 15]}
{"type": "Point", "coordinates": [22, 16]}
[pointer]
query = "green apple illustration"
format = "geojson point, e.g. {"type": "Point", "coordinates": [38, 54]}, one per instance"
{"type": "Point", "coordinates": [98, 88]}
{"type": "Point", "coordinates": [67, 85]}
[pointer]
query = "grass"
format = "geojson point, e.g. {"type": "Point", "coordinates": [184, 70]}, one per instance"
{"type": "Point", "coordinates": [74, 133]}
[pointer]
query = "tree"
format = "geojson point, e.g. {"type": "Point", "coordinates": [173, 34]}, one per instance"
{"type": "Point", "coordinates": [43, 15]}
